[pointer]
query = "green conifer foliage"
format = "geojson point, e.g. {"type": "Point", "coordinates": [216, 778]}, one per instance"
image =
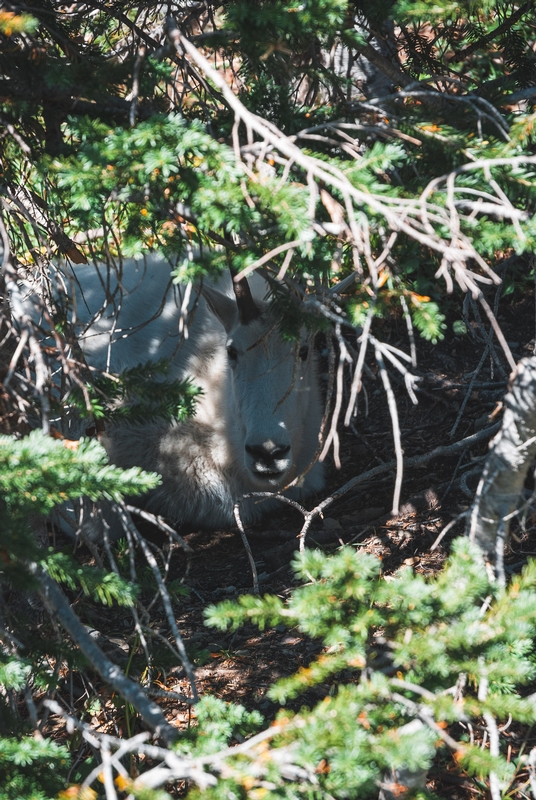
{"type": "Point", "coordinates": [38, 473]}
{"type": "Point", "coordinates": [437, 652]}
{"type": "Point", "coordinates": [383, 146]}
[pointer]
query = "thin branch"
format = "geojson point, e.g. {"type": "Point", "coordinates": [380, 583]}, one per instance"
{"type": "Point", "coordinates": [245, 542]}
{"type": "Point", "coordinates": [333, 436]}
{"type": "Point", "coordinates": [267, 257]}
{"type": "Point", "coordinates": [498, 332]}
{"type": "Point", "coordinates": [414, 461]}
{"type": "Point", "coordinates": [164, 594]}
{"type": "Point", "coordinates": [356, 381]}
{"type": "Point", "coordinates": [162, 524]}
{"type": "Point", "coordinates": [411, 333]}
{"type": "Point", "coordinates": [393, 411]}
{"type": "Point", "coordinates": [498, 31]}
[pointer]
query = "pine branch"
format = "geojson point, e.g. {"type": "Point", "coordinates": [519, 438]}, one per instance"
{"type": "Point", "coordinates": [115, 13]}
{"type": "Point", "coordinates": [67, 101]}
{"type": "Point", "coordinates": [498, 31]}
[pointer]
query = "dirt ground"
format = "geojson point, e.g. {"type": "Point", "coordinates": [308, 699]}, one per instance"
{"type": "Point", "coordinates": [241, 666]}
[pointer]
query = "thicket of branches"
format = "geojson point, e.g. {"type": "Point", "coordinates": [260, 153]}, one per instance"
{"type": "Point", "coordinates": [369, 159]}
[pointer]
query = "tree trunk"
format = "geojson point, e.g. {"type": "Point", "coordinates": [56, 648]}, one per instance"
{"type": "Point", "coordinates": [512, 451]}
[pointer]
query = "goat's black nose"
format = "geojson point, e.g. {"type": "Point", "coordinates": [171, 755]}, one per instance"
{"type": "Point", "coordinates": [267, 452]}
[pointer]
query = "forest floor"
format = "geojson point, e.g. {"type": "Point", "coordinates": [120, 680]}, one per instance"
{"type": "Point", "coordinates": [241, 666]}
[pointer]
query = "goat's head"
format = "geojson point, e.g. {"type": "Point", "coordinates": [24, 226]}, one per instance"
{"type": "Point", "coordinates": [273, 388]}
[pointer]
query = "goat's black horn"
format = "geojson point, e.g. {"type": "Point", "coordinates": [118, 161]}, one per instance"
{"type": "Point", "coordinates": [247, 309]}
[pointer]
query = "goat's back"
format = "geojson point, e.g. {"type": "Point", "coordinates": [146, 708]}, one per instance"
{"type": "Point", "coordinates": [128, 316]}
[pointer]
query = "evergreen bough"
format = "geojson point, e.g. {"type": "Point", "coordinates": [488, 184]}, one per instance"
{"type": "Point", "coordinates": [445, 651]}
{"type": "Point", "coordinates": [37, 473]}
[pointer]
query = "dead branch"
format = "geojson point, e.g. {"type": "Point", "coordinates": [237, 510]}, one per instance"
{"type": "Point", "coordinates": [247, 548]}
{"type": "Point", "coordinates": [409, 216]}
{"type": "Point", "coordinates": [414, 461]}
{"type": "Point", "coordinates": [164, 594]}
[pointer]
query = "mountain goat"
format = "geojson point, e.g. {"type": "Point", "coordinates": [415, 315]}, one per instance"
{"type": "Point", "coordinates": [257, 421]}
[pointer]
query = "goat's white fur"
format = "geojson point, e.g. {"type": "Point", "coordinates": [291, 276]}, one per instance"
{"type": "Point", "coordinates": [267, 397]}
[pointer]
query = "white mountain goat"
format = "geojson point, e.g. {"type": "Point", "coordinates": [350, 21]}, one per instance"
{"type": "Point", "coordinates": [257, 422]}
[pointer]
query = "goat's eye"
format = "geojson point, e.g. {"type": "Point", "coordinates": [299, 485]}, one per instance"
{"type": "Point", "coordinates": [232, 353]}
{"type": "Point", "coordinates": [304, 352]}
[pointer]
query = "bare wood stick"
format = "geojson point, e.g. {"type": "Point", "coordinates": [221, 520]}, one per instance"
{"type": "Point", "coordinates": [493, 733]}
{"type": "Point", "coordinates": [393, 411]}
{"type": "Point", "coordinates": [411, 334]}
{"type": "Point", "coordinates": [23, 341]}
{"type": "Point", "coordinates": [487, 336]}
{"type": "Point", "coordinates": [333, 436]}
{"type": "Point", "coordinates": [497, 329]}
{"type": "Point", "coordinates": [268, 257]}
{"type": "Point", "coordinates": [164, 594]}
{"type": "Point", "coordinates": [446, 529]}
{"type": "Point", "coordinates": [469, 391]}
{"type": "Point", "coordinates": [133, 610]}
{"type": "Point", "coordinates": [162, 524]}
{"type": "Point", "coordinates": [356, 382]}
{"type": "Point", "coordinates": [414, 461]}
{"type": "Point", "coordinates": [285, 265]}
{"type": "Point", "coordinates": [106, 767]}
{"type": "Point", "coordinates": [24, 146]}
{"type": "Point", "coordinates": [389, 352]}
{"type": "Point", "coordinates": [247, 547]}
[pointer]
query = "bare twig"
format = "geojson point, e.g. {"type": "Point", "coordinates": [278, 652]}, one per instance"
{"type": "Point", "coordinates": [414, 461]}
{"type": "Point", "coordinates": [469, 391]}
{"type": "Point", "coordinates": [247, 547]}
{"type": "Point", "coordinates": [411, 334]}
{"type": "Point", "coordinates": [493, 733]}
{"type": "Point", "coordinates": [393, 411]}
{"type": "Point", "coordinates": [356, 381]}
{"type": "Point", "coordinates": [268, 257]}
{"type": "Point", "coordinates": [162, 524]}
{"type": "Point", "coordinates": [333, 436]}
{"type": "Point", "coordinates": [164, 594]}
{"type": "Point", "coordinates": [446, 529]}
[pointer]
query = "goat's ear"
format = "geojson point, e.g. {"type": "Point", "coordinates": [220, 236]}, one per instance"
{"type": "Point", "coordinates": [222, 306]}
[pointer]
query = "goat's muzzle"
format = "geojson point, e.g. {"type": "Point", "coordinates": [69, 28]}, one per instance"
{"type": "Point", "coordinates": [268, 461]}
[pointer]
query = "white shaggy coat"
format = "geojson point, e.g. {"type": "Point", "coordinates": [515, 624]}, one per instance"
{"type": "Point", "coordinates": [257, 422]}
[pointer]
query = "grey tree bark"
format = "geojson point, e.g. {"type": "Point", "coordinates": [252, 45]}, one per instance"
{"type": "Point", "coordinates": [512, 451]}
